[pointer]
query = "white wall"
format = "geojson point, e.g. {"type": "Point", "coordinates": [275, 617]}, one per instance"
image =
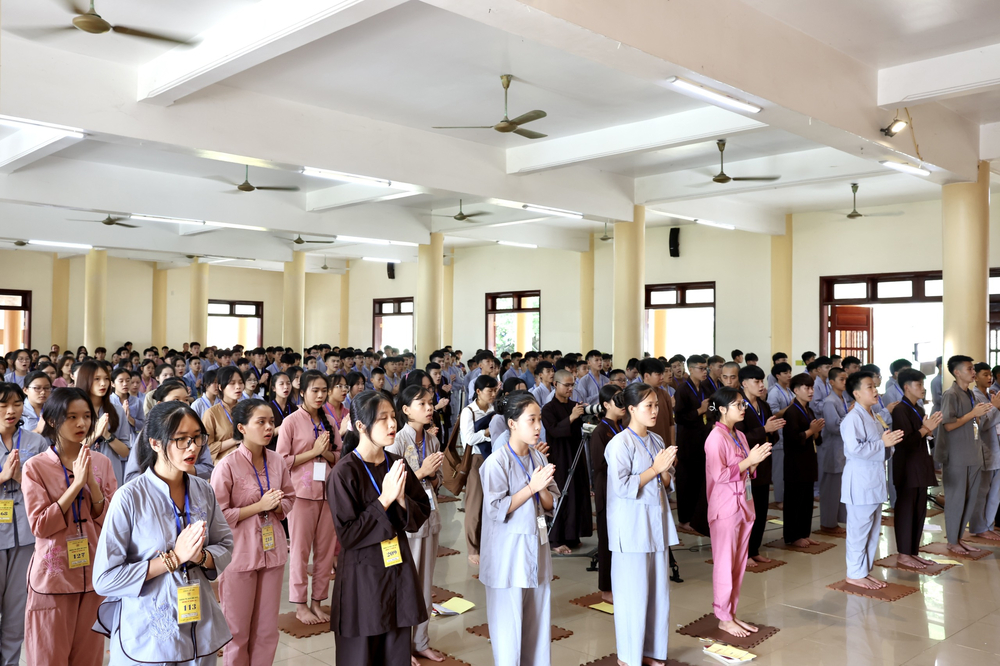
{"type": "Point", "coordinates": [248, 284]}
{"type": "Point", "coordinates": [369, 281]}
{"type": "Point", "coordinates": [322, 308]}
{"type": "Point", "coordinates": [32, 271]}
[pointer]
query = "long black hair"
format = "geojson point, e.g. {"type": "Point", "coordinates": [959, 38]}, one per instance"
{"type": "Point", "coordinates": [607, 394]}
{"type": "Point", "coordinates": [54, 412]}
{"type": "Point", "coordinates": [405, 398]}
{"type": "Point", "coordinates": [244, 411]}
{"type": "Point", "coordinates": [162, 422]}
{"type": "Point", "coordinates": [364, 410]}
{"type": "Point", "coordinates": [724, 397]}
{"type": "Point", "coordinates": [514, 405]}
{"type": "Point", "coordinates": [307, 378]}
{"type": "Point", "coordinates": [170, 384]}
{"type": "Point", "coordinates": [632, 396]}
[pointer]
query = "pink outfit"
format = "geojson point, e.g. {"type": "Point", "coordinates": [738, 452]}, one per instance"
{"type": "Point", "coordinates": [61, 601]}
{"type": "Point", "coordinates": [310, 524]}
{"type": "Point", "coordinates": [250, 588]}
{"type": "Point", "coordinates": [730, 516]}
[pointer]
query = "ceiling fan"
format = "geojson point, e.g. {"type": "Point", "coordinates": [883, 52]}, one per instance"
{"type": "Point", "coordinates": [88, 20]}
{"type": "Point", "coordinates": [18, 243]}
{"type": "Point", "coordinates": [324, 267]}
{"type": "Point", "coordinates": [462, 217]}
{"type": "Point", "coordinates": [854, 214]}
{"type": "Point", "coordinates": [298, 240]}
{"type": "Point", "coordinates": [606, 237]}
{"type": "Point", "coordinates": [721, 177]}
{"type": "Point", "coordinates": [109, 222]}
{"type": "Point", "coordinates": [505, 126]}
{"type": "Point", "coordinates": [245, 186]}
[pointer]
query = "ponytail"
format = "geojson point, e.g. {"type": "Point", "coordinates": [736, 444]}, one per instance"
{"type": "Point", "coordinates": [724, 397]}
{"type": "Point", "coordinates": [364, 410]}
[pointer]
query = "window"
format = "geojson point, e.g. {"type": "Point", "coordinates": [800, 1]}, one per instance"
{"type": "Point", "coordinates": [680, 318]}
{"type": "Point", "coordinates": [16, 309]}
{"type": "Point", "coordinates": [392, 323]}
{"type": "Point", "coordinates": [235, 322]}
{"type": "Point", "coordinates": [513, 321]}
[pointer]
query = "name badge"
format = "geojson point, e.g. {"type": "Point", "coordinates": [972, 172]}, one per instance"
{"type": "Point", "coordinates": [6, 511]}
{"type": "Point", "coordinates": [975, 429]}
{"type": "Point", "coordinates": [543, 530]}
{"type": "Point", "coordinates": [267, 536]}
{"type": "Point", "coordinates": [391, 555]}
{"type": "Point", "coordinates": [431, 496]}
{"type": "Point", "coordinates": [78, 552]}
{"type": "Point", "coordinates": [319, 471]}
{"type": "Point", "coordinates": [188, 604]}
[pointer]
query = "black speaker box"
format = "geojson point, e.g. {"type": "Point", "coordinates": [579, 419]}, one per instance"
{"type": "Point", "coordinates": [390, 269]}
{"type": "Point", "coordinates": [675, 241]}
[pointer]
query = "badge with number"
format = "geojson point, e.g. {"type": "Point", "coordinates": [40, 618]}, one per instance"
{"type": "Point", "coordinates": [267, 536]}
{"type": "Point", "coordinates": [975, 429]}
{"type": "Point", "coordinates": [188, 604]}
{"type": "Point", "coordinates": [319, 471]}
{"type": "Point", "coordinates": [543, 530]}
{"type": "Point", "coordinates": [431, 496]}
{"type": "Point", "coordinates": [391, 554]}
{"type": "Point", "coordinates": [78, 552]}
{"type": "Point", "coordinates": [6, 511]}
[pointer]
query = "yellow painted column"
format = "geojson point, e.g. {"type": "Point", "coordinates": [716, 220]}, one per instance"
{"type": "Point", "coordinates": [242, 333]}
{"type": "Point", "coordinates": [965, 240]}
{"type": "Point", "coordinates": [587, 299]}
{"type": "Point", "coordinates": [95, 296]}
{"type": "Point", "coordinates": [293, 318]}
{"type": "Point", "coordinates": [448, 303]}
{"type": "Point", "coordinates": [781, 291]}
{"type": "Point", "coordinates": [659, 333]}
{"type": "Point", "coordinates": [345, 306]}
{"type": "Point", "coordinates": [159, 321]}
{"type": "Point", "coordinates": [60, 302]}
{"type": "Point", "coordinates": [430, 292]}
{"type": "Point", "coordinates": [523, 333]}
{"type": "Point", "coordinates": [11, 330]}
{"type": "Point", "coordinates": [198, 331]}
{"type": "Point", "coordinates": [629, 286]}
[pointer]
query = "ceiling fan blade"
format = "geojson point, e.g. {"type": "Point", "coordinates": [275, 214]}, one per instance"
{"type": "Point", "coordinates": [132, 32]}
{"type": "Point", "coordinates": [323, 242]}
{"type": "Point", "coordinates": [765, 179]}
{"type": "Point", "coordinates": [537, 114]}
{"type": "Point", "coordinates": [278, 189]}
{"type": "Point", "coordinates": [528, 134]}
{"type": "Point", "coordinates": [128, 226]}
{"type": "Point", "coordinates": [41, 32]}
{"type": "Point", "coordinates": [465, 127]}
{"type": "Point", "coordinates": [73, 6]}
{"type": "Point", "coordinates": [892, 214]}
{"type": "Point", "coordinates": [476, 214]}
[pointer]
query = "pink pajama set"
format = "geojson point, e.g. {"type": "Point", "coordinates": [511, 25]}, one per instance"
{"type": "Point", "coordinates": [310, 523]}
{"type": "Point", "coordinates": [62, 605]}
{"type": "Point", "coordinates": [730, 516]}
{"type": "Point", "coordinates": [250, 587]}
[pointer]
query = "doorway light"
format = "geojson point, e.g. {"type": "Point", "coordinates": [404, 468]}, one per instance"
{"type": "Point", "coordinates": [712, 95]}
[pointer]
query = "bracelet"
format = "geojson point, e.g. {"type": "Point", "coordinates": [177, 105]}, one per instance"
{"type": "Point", "coordinates": [98, 503]}
{"type": "Point", "coordinates": [204, 558]}
{"type": "Point", "coordinates": [168, 562]}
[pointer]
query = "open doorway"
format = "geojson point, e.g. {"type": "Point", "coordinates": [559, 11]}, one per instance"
{"type": "Point", "coordinates": [16, 320]}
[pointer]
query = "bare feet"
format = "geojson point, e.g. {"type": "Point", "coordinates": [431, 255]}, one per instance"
{"type": "Point", "coordinates": [781, 506]}
{"type": "Point", "coordinates": [734, 628]}
{"type": "Point", "coordinates": [649, 661]}
{"type": "Point", "coordinates": [910, 561]}
{"type": "Point", "coordinates": [990, 535]}
{"type": "Point", "coordinates": [862, 583]}
{"type": "Point", "coordinates": [813, 542]}
{"type": "Point", "coordinates": [305, 615]}
{"type": "Point", "coordinates": [958, 548]}
{"type": "Point", "coordinates": [801, 543]}
{"type": "Point", "coordinates": [413, 661]}
{"type": "Point", "coordinates": [432, 654]}
{"type": "Point", "coordinates": [608, 598]}
{"type": "Point", "coordinates": [561, 550]}
{"type": "Point", "coordinates": [924, 560]}
{"type": "Point", "coordinates": [685, 526]}
{"type": "Point", "coordinates": [879, 584]}
{"type": "Point", "coordinates": [318, 612]}
{"type": "Point", "coordinates": [971, 549]}
{"type": "Point", "coordinates": [474, 559]}
{"type": "Point", "coordinates": [834, 531]}
{"type": "Point", "coordinates": [751, 563]}
{"type": "Point", "coordinates": [746, 625]}
{"type": "Point", "coordinates": [761, 559]}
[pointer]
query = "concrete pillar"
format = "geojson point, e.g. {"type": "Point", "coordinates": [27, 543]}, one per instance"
{"type": "Point", "coordinates": [293, 318]}
{"type": "Point", "coordinates": [587, 302]}
{"type": "Point", "coordinates": [629, 287]}
{"type": "Point", "coordinates": [345, 306]}
{"type": "Point", "coordinates": [524, 331]}
{"type": "Point", "coordinates": [965, 241]}
{"type": "Point", "coordinates": [198, 331]}
{"type": "Point", "coordinates": [430, 293]}
{"type": "Point", "coordinates": [11, 330]}
{"type": "Point", "coordinates": [781, 293]}
{"type": "Point", "coordinates": [659, 333]}
{"type": "Point", "coordinates": [448, 303]}
{"type": "Point", "coordinates": [159, 321]}
{"type": "Point", "coordinates": [60, 302]}
{"type": "Point", "coordinates": [95, 296]}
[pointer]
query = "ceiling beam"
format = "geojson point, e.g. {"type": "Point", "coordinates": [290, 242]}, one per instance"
{"type": "Point", "coordinates": [31, 143]}
{"type": "Point", "coordinates": [744, 217]}
{"type": "Point", "coordinates": [933, 79]}
{"type": "Point", "coordinates": [256, 34]}
{"type": "Point", "coordinates": [989, 142]}
{"type": "Point", "coordinates": [677, 129]}
{"type": "Point", "coordinates": [351, 194]}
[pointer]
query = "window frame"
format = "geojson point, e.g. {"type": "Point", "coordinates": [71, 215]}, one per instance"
{"type": "Point", "coordinates": [492, 309]}
{"type": "Point", "coordinates": [259, 314]}
{"type": "Point", "coordinates": [396, 307]}
{"type": "Point", "coordinates": [681, 288]}
{"type": "Point", "coordinates": [24, 307]}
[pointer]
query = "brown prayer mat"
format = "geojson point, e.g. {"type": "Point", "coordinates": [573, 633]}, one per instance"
{"type": "Point", "coordinates": [761, 566]}
{"type": "Point", "coordinates": [448, 661]}
{"type": "Point", "coordinates": [774, 505]}
{"type": "Point", "coordinates": [822, 532]}
{"type": "Point", "coordinates": [291, 626]}
{"type": "Point", "coordinates": [891, 592]}
{"type": "Point", "coordinates": [443, 499]}
{"type": "Point", "coordinates": [587, 601]}
{"type": "Point", "coordinates": [444, 552]}
{"type": "Point", "coordinates": [612, 660]}
{"type": "Point", "coordinates": [892, 562]}
{"type": "Point", "coordinates": [939, 548]}
{"type": "Point", "coordinates": [979, 541]}
{"type": "Point", "coordinates": [811, 550]}
{"type": "Point", "coordinates": [689, 530]}
{"type": "Point", "coordinates": [439, 594]}
{"type": "Point", "coordinates": [707, 626]}
{"type": "Point", "coordinates": [483, 631]}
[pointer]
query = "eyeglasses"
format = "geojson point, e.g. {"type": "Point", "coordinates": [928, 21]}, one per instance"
{"type": "Point", "coordinates": [40, 389]}
{"type": "Point", "coordinates": [740, 406]}
{"type": "Point", "coordinates": [570, 385]}
{"type": "Point", "coordinates": [185, 443]}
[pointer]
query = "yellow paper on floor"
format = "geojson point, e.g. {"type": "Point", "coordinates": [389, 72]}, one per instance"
{"type": "Point", "coordinates": [776, 521]}
{"type": "Point", "coordinates": [941, 560]}
{"type": "Point", "coordinates": [730, 652]}
{"type": "Point", "coordinates": [604, 607]}
{"type": "Point", "coordinates": [458, 605]}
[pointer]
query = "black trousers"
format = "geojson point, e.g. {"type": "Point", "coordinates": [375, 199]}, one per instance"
{"type": "Point", "coordinates": [798, 510]}
{"type": "Point", "coordinates": [389, 649]}
{"type": "Point", "coordinates": [908, 518]}
{"type": "Point", "coordinates": [761, 494]}
{"type": "Point", "coordinates": [603, 553]}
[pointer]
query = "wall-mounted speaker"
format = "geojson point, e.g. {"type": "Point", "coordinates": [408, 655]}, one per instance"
{"type": "Point", "coordinates": [675, 241]}
{"type": "Point", "coordinates": [390, 270]}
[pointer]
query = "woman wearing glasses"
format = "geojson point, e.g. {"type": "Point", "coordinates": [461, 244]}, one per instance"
{"type": "Point", "coordinates": [164, 540]}
{"type": "Point", "coordinates": [37, 389]}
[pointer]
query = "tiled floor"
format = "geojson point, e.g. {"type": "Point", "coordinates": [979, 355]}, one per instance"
{"type": "Point", "coordinates": [953, 621]}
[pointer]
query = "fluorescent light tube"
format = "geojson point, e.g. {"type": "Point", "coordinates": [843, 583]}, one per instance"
{"type": "Point", "coordinates": [712, 95]}
{"type": "Point", "coordinates": [717, 225]}
{"type": "Point", "coordinates": [381, 260]}
{"type": "Point", "coordinates": [17, 123]}
{"type": "Point", "coordinates": [404, 243]}
{"type": "Point", "coordinates": [905, 168]}
{"type": "Point", "coordinates": [228, 225]}
{"type": "Point", "coordinates": [513, 244]}
{"type": "Point", "coordinates": [167, 220]}
{"type": "Point", "coordinates": [77, 246]}
{"type": "Point", "coordinates": [345, 177]}
{"type": "Point", "coordinates": [553, 211]}
{"type": "Point", "coordinates": [359, 239]}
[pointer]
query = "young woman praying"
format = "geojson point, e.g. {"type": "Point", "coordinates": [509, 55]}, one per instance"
{"type": "Point", "coordinates": [485, 391]}
{"type": "Point", "coordinates": [65, 378]}
{"type": "Point", "coordinates": [66, 492]}
{"type": "Point", "coordinates": [295, 374]}
{"type": "Point", "coordinates": [20, 367]}
{"type": "Point", "coordinates": [112, 435]}
{"type": "Point", "coordinates": [334, 407]}
{"type": "Point", "coordinates": [801, 435]}
{"type": "Point", "coordinates": [640, 530]}
{"type": "Point", "coordinates": [250, 390]}
{"type": "Point", "coordinates": [165, 540]}
{"type": "Point", "coordinates": [609, 426]}
{"type": "Point", "coordinates": [37, 389]}
{"type": "Point", "coordinates": [375, 500]}
{"type": "Point", "coordinates": [310, 446]}
{"type": "Point", "coordinates": [131, 406]}
{"type": "Point", "coordinates": [253, 505]}
{"type": "Point", "coordinates": [281, 406]}
{"type": "Point", "coordinates": [147, 383]}
{"type": "Point", "coordinates": [218, 419]}
{"type": "Point", "coordinates": [730, 464]}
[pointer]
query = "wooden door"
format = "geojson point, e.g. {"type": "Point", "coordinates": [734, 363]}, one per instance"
{"type": "Point", "coordinates": [849, 331]}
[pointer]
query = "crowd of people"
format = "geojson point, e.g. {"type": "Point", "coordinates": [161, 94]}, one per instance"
{"type": "Point", "coordinates": [156, 498]}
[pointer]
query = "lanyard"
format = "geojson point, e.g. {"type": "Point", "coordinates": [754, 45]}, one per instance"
{"type": "Point", "coordinates": [187, 518]}
{"type": "Point", "coordinates": [365, 465]}
{"type": "Point", "coordinates": [228, 416]}
{"type": "Point", "coordinates": [919, 417]}
{"type": "Point", "coordinates": [329, 410]}
{"type": "Point", "coordinates": [714, 387]}
{"type": "Point", "coordinates": [594, 382]}
{"type": "Point", "coordinates": [739, 445]}
{"type": "Point", "coordinates": [610, 427]}
{"type": "Point", "coordinates": [423, 446]}
{"type": "Point", "coordinates": [523, 468]}
{"type": "Point", "coordinates": [698, 393]}
{"type": "Point", "coordinates": [882, 406]}
{"type": "Point", "coordinates": [646, 449]}
{"type": "Point", "coordinates": [760, 416]}
{"type": "Point", "coordinates": [804, 412]}
{"type": "Point", "coordinates": [787, 394]}
{"type": "Point", "coordinates": [280, 410]}
{"type": "Point", "coordinates": [317, 427]}
{"type": "Point", "coordinates": [267, 475]}
{"type": "Point", "coordinates": [77, 505]}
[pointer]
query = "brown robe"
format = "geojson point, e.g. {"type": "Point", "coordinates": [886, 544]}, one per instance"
{"type": "Point", "coordinates": [575, 517]}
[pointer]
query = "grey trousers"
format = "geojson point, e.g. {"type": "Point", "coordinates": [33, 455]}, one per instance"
{"type": "Point", "coordinates": [640, 583]}
{"type": "Point", "coordinates": [520, 627]}
{"type": "Point", "coordinates": [832, 511]}
{"type": "Point", "coordinates": [987, 502]}
{"type": "Point", "coordinates": [777, 477]}
{"type": "Point", "coordinates": [864, 522]}
{"type": "Point", "coordinates": [961, 489]}
{"type": "Point", "coordinates": [13, 596]}
{"type": "Point", "coordinates": [424, 552]}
